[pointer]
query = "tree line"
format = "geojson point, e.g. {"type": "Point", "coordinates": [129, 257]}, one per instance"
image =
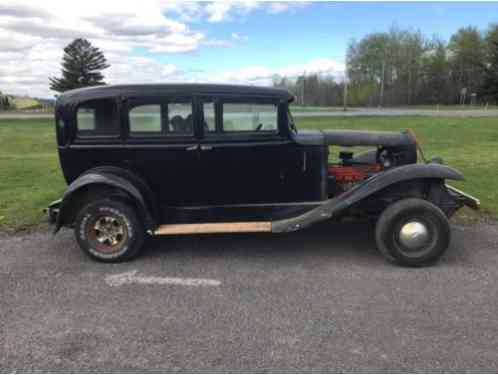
{"type": "Point", "coordinates": [403, 67]}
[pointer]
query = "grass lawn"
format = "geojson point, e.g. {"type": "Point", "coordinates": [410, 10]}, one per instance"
{"type": "Point", "coordinates": [298, 108]}
{"type": "Point", "coordinates": [443, 107]}
{"type": "Point", "coordinates": [30, 176]}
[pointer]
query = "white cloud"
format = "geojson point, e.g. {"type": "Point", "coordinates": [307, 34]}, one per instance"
{"type": "Point", "coordinates": [224, 10]}
{"type": "Point", "coordinates": [275, 7]}
{"type": "Point", "coordinates": [219, 43]}
{"type": "Point", "coordinates": [140, 70]}
{"type": "Point", "coordinates": [33, 35]}
{"type": "Point", "coordinates": [261, 75]}
{"type": "Point", "coordinates": [318, 66]}
{"type": "Point", "coordinates": [218, 11]}
{"type": "Point", "coordinates": [137, 24]}
{"type": "Point", "coordinates": [236, 36]}
{"type": "Point", "coordinates": [278, 7]}
{"type": "Point", "coordinates": [14, 41]}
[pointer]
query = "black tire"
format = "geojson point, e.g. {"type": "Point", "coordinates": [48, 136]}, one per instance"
{"type": "Point", "coordinates": [433, 240]}
{"type": "Point", "coordinates": [109, 230]}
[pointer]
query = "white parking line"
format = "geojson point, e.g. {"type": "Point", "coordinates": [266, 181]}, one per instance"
{"type": "Point", "coordinates": [132, 278]}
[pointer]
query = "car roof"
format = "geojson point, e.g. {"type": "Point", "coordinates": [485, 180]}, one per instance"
{"type": "Point", "coordinates": [96, 92]}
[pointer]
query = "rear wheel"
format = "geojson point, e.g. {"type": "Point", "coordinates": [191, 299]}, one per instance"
{"type": "Point", "coordinates": [412, 232]}
{"type": "Point", "coordinates": [109, 230]}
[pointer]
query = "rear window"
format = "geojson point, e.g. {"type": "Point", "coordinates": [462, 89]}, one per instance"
{"type": "Point", "coordinates": [98, 117]}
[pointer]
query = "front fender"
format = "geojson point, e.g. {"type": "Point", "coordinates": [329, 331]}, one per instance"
{"type": "Point", "coordinates": [103, 179]}
{"type": "Point", "coordinates": [374, 184]}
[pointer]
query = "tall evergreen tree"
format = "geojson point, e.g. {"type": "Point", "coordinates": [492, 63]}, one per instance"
{"type": "Point", "coordinates": [81, 66]}
{"type": "Point", "coordinates": [490, 84]}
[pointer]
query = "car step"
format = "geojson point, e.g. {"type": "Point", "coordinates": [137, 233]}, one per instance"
{"type": "Point", "coordinates": [231, 227]}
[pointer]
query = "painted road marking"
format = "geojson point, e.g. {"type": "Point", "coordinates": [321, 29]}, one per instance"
{"type": "Point", "coordinates": [132, 278]}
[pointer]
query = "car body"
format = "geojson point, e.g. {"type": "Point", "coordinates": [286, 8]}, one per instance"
{"type": "Point", "coordinates": [194, 158]}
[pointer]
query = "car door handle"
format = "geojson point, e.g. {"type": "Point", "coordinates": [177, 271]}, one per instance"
{"type": "Point", "coordinates": [206, 148]}
{"type": "Point", "coordinates": [192, 148]}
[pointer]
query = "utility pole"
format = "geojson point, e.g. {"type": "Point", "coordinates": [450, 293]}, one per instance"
{"type": "Point", "coordinates": [303, 88]}
{"type": "Point", "coordinates": [381, 101]}
{"type": "Point", "coordinates": [345, 99]}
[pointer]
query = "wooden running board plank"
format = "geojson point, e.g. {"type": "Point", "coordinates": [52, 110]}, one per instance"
{"type": "Point", "coordinates": [234, 227]}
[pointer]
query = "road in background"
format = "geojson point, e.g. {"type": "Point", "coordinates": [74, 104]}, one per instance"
{"type": "Point", "coordinates": [322, 299]}
{"type": "Point", "coordinates": [335, 113]}
{"type": "Point", "coordinates": [398, 112]}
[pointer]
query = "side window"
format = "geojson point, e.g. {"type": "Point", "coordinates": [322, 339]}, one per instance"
{"type": "Point", "coordinates": [97, 117]}
{"type": "Point", "coordinates": [209, 117]}
{"type": "Point", "coordinates": [161, 119]}
{"type": "Point", "coordinates": [145, 118]}
{"type": "Point", "coordinates": [180, 120]}
{"type": "Point", "coordinates": [250, 117]}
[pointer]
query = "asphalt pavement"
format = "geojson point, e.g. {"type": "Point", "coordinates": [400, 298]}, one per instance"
{"type": "Point", "coordinates": [322, 299]}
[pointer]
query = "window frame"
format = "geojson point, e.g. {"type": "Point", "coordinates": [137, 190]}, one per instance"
{"type": "Point", "coordinates": [215, 102]}
{"type": "Point", "coordinates": [217, 115]}
{"type": "Point", "coordinates": [272, 131]}
{"type": "Point", "coordinates": [89, 136]}
{"type": "Point", "coordinates": [163, 107]}
{"type": "Point", "coordinates": [163, 135]}
{"type": "Point", "coordinates": [222, 135]}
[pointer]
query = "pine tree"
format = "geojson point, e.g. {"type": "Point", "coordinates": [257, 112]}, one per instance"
{"type": "Point", "coordinates": [490, 85]}
{"type": "Point", "coordinates": [81, 67]}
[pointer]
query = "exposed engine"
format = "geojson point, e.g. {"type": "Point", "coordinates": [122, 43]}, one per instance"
{"type": "Point", "coordinates": [390, 149]}
{"type": "Point", "coordinates": [344, 175]}
{"type": "Point", "coordinates": [353, 169]}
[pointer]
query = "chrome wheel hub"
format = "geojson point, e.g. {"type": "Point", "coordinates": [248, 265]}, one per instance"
{"type": "Point", "coordinates": [109, 231]}
{"type": "Point", "coordinates": [414, 235]}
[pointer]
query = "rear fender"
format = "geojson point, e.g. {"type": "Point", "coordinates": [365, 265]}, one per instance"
{"type": "Point", "coordinates": [121, 187]}
{"type": "Point", "coordinates": [336, 205]}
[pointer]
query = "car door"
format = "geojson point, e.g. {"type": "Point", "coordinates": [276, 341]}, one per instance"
{"type": "Point", "coordinates": [246, 157]}
{"type": "Point", "coordinates": [163, 147]}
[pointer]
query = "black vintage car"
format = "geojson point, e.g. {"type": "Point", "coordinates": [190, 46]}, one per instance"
{"type": "Point", "coordinates": [146, 160]}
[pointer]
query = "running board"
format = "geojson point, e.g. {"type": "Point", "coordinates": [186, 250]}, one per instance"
{"type": "Point", "coordinates": [234, 227]}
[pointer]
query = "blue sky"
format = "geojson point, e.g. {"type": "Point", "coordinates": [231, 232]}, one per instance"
{"type": "Point", "coordinates": [323, 30]}
{"type": "Point", "coordinates": [234, 42]}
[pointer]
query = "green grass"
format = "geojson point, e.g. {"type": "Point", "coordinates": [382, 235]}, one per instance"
{"type": "Point", "coordinates": [444, 107]}
{"type": "Point", "coordinates": [299, 108]}
{"type": "Point", "coordinates": [30, 175]}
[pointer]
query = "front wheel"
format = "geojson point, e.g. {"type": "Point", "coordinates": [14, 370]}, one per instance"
{"type": "Point", "coordinates": [412, 232]}
{"type": "Point", "coordinates": [109, 230]}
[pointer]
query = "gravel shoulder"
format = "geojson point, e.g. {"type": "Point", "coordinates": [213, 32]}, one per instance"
{"type": "Point", "coordinates": [322, 299]}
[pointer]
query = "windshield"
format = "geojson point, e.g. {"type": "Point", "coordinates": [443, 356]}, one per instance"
{"type": "Point", "coordinates": [291, 122]}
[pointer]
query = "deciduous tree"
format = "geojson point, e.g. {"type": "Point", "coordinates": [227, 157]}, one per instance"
{"type": "Point", "coordinates": [490, 82]}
